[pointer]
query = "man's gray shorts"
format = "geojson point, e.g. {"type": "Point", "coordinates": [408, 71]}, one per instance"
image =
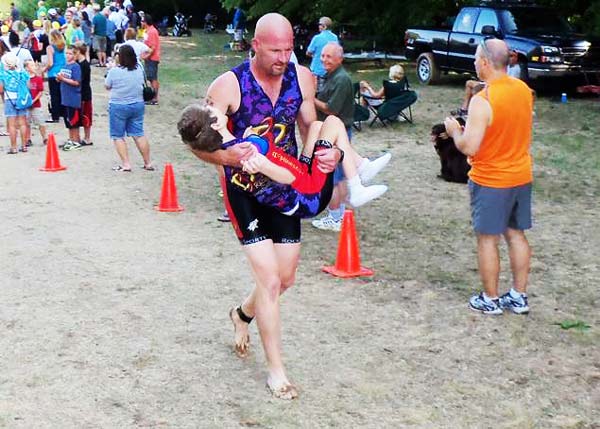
{"type": "Point", "coordinates": [99, 43]}
{"type": "Point", "coordinates": [493, 210]}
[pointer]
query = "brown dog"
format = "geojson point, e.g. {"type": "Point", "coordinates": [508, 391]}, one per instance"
{"type": "Point", "coordinates": [454, 165]}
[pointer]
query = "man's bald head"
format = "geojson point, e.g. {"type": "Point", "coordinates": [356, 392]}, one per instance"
{"type": "Point", "coordinates": [332, 56]}
{"type": "Point", "coordinates": [273, 25]}
{"type": "Point", "coordinates": [496, 52]}
{"type": "Point", "coordinates": [273, 44]}
{"type": "Point", "coordinates": [333, 49]}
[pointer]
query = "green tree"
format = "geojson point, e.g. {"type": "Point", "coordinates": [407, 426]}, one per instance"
{"type": "Point", "coordinates": [385, 22]}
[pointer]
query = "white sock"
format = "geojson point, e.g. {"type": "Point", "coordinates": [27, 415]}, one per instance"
{"type": "Point", "coordinates": [487, 298]}
{"type": "Point", "coordinates": [337, 214]}
{"type": "Point", "coordinates": [363, 164]}
{"type": "Point", "coordinates": [354, 183]}
{"type": "Point", "coordinates": [515, 294]}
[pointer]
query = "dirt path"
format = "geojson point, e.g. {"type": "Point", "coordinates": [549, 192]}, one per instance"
{"type": "Point", "coordinates": [113, 315]}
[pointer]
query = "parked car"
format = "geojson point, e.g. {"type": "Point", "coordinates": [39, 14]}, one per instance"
{"type": "Point", "coordinates": [545, 43]}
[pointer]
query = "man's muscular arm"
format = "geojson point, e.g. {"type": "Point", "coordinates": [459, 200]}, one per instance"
{"type": "Point", "coordinates": [480, 117]}
{"type": "Point", "coordinates": [328, 158]}
{"type": "Point", "coordinates": [224, 94]}
{"type": "Point", "coordinates": [307, 114]}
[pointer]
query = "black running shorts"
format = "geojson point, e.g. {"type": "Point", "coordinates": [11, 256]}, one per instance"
{"type": "Point", "coordinates": [254, 222]}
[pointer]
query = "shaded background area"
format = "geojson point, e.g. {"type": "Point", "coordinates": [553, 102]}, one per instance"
{"type": "Point", "coordinates": [365, 24]}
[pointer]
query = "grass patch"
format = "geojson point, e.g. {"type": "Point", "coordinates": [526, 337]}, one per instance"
{"type": "Point", "coordinates": [198, 60]}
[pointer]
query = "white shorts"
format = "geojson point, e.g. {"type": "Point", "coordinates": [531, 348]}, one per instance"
{"type": "Point", "coordinates": [36, 117]}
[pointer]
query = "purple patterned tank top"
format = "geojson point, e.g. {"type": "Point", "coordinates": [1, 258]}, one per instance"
{"type": "Point", "coordinates": [257, 111]}
{"type": "Point", "coordinates": [255, 106]}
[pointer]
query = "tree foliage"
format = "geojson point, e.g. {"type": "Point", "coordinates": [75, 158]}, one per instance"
{"type": "Point", "coordinates": [385, 22]}
{"type": "Point", "coordinates": [381, 22]}
{"type": "Point", "coordinates": [157, 8]}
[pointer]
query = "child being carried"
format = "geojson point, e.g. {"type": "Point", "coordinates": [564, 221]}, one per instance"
{"type": "Point", "coordinates": [305, 190]}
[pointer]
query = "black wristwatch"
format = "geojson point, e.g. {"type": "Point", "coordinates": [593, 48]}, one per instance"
{"type": "Point", "coordinates": [342, 153]}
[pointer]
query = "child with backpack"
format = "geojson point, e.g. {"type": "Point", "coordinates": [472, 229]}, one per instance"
{"type": "Point", "coordinates": [36, 87]}
{"type": "Point", "coordinates": [69, 78]}
{"type": "Point", "coordinates": [14, 85]}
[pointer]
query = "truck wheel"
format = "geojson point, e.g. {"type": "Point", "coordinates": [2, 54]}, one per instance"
{"type": "Point", "coordinates": [427, 71]}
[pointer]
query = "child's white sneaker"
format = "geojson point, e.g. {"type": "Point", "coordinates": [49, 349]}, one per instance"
{"type": "Point", "coordinates": [360, 194]}
{"type": "Point", "coordinates": [368, 169]}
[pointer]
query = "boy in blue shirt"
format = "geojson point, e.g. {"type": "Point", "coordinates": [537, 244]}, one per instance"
{"type": "Point", "coordinates": [70, 94]}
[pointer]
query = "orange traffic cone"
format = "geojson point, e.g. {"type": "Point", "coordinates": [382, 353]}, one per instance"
{"type": "Point", "coordinates": [347, 263]}
{"type": "Point", "coordinates": [52, 160]}
{"type": "Point", "coordinates": [168, 197]}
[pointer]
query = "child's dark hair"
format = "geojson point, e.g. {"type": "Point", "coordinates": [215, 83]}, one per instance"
{"type": "Point", "coordinates": [195, 129]}
{"type": "Point", "coordinates": [81, 47]}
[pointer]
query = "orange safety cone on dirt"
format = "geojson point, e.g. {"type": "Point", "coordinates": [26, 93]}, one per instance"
{"type": "Point", "coordinates": [52, 160]}
{"type": "Point", "coordinates": [168, 196]}
{"type": "Point", "coordinates": [347, 262]}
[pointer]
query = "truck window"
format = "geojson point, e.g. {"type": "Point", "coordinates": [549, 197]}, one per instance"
{"type": "Point", "coordinates": [486, 17]}
{"type": "Point", "coordinates": [465, 21]}
{"type": "Point", "coordinates": [533, 20]}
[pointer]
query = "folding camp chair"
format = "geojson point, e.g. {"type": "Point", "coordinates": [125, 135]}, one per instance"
{"type": "Point", "coordinates": [361, 113]}
{"type": "Point", "coordinates": [398, 99]}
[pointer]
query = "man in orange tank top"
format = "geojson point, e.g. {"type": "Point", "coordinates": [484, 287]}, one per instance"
{"type": "Point", "coordinates": [497, 138]}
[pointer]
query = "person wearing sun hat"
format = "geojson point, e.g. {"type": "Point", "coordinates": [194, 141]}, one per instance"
{"type": "Point", "coordinates": [5, 30]}
{"type": "Point", "coordinates": [37, 33]}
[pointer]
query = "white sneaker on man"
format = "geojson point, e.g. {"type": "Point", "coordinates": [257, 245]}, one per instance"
{"type": "Point", "coordinates": [368, 169]}
{"type": "Point", "coordinates": [328, 223]}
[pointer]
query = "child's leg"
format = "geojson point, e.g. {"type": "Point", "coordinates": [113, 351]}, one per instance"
{"type": "Point", "coordinates": [311, 138]}
{"type": "Point", "coordinates": [23, 127]}
{"type": "Point", "coordinates": [43, 133]}
{"type": "Point", "coordinates": [11, 126]}
{"type": "Point", "coordinates": [29, 121]}
{"type": "Point", "coordinates": [334, 131]}
{"type": "Point", "coordinates": [74, 134]}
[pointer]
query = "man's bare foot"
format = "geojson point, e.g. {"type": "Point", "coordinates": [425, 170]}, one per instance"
{"type": "Point", "coordinates": [282, 389]}
{"type": "Point", "coordinates": [241, 337]}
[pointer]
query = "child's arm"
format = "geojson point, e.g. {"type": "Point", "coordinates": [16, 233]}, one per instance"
{"type": "Point", "coordinates": [68, 81]}
{"type": "Point", "coordinates": [260, 164]}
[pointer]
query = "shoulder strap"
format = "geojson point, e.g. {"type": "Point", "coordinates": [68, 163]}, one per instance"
{"type": "Point", "coordinates": [144, 72]}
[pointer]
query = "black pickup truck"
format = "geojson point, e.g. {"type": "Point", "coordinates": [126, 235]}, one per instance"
{"type": "Point", "coordinates": [545, 44]}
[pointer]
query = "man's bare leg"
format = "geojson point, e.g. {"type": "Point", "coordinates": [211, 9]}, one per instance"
{"type": "Point", "coordinates": [289, 255]}
{"type": "Point", "coordinates": [520, 257]}
{"type": "Point", "coordinates": [489, 263]}
{"type": "Point", "coordinates": [273, 268]}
